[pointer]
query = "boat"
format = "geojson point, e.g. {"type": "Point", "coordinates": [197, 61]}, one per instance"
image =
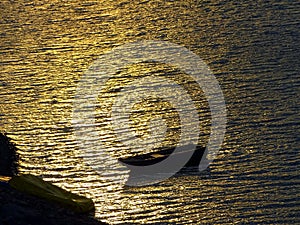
{"type": "Point", "coordinates": [36, 186]}
{"type": "Point", "coordinates": [158, 156]}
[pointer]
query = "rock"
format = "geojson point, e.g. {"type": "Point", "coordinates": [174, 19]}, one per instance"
{"type": "Point", "coordinates": [20, 209]}
{"type": "Point", "coordinates": [17, 208]}
{"type": "Point", "coordinates": [8, 157]}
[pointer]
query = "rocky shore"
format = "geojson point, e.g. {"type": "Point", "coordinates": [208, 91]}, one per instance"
{"type": "Point", "coordinates": [17, 208]}
{"type": "Point", "coordinates": [8, 157]}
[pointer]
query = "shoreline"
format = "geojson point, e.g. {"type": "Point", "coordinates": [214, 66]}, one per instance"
{"type": "Point", "coordinates": [21, 209]}
{"type": "Point", "coordinates": [18, 208]}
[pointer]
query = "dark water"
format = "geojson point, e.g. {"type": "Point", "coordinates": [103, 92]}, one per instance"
{"type": "Point", "coordinates": [252, 49]}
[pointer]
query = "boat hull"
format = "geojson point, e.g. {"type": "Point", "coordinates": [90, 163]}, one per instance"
{"type": "Point", "coordinates": [156, 157]}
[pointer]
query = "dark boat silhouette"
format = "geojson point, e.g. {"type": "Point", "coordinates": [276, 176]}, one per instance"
{"type": "Point", "coordinates": [158, 156]}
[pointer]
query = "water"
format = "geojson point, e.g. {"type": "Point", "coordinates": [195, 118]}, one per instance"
{"type": "Point", "coordinates": [253, 50]}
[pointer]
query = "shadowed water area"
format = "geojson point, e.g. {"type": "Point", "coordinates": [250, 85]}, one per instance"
{"type": "Point", "coordinates": [252, 48]}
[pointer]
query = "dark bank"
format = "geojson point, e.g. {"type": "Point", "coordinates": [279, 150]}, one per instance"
{"type": "Point", "coordinates": [19, 208]}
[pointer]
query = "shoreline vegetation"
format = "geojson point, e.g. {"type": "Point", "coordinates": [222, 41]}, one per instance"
{"type": "Point", "coordinates": [21, 209]}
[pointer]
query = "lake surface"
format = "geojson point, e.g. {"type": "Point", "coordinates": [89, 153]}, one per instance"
{"type": "Point", "coordinates": [251, 48]}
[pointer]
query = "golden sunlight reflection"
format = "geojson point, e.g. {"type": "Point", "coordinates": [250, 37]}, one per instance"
{"type": "Point", "coordinates": [46, 47]}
